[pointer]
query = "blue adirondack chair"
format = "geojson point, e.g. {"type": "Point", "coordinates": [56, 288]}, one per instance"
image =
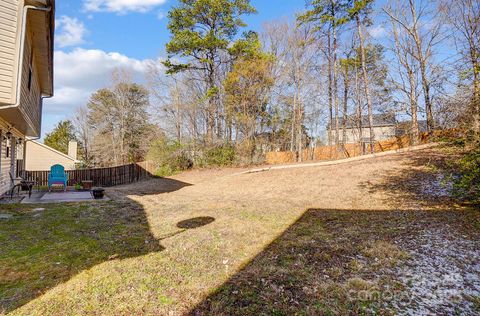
{"type": "Point", "coordinates": [57, 175]}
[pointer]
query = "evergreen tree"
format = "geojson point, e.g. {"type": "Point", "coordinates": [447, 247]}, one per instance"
{"type": "Point", "coordinates": [202, 34]}
{"type": "Point", "coordinates": [61, 135]}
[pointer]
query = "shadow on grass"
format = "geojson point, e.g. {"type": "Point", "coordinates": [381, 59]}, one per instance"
{"type": "Point", "coordinates": [155, 186]}
{"type": "Point", "coordinates": [314, 265]}
{"type": "Point", "coordinates": [41, 248]}
{"type": "Point", "coordinates": [423, 182]}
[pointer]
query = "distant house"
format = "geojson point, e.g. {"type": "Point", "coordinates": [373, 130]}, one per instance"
{"type": "Point", "coordinates": [405, 128]}
{"type": "Point", "coordinates": [41, 157]}
{"type": "Point", "coordinates": [384, 127]}
{"type": "Point", "coordinates": [26, 77]}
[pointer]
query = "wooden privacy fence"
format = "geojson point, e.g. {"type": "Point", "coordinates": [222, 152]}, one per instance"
{"type": "Point", "coordinates": [102, 177]}
{"type": "Point", "coordinates": [351, 150]}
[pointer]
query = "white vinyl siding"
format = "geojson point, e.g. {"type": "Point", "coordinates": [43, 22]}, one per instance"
{"type": "Point", "coordinates": [381, 133]}
{"type": "Point", "coordinates": [8, 39]}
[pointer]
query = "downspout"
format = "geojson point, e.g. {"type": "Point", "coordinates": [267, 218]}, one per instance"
{"type": "Point", "coordinates": [22, 50]}
{"type": "Point", "coordinates": [32, 138]}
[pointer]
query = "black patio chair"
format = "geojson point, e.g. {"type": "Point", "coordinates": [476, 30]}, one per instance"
{"type": "Point", "coordinates": [20, 184]}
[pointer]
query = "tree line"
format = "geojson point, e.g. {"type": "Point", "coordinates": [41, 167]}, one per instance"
{"type": "Point", "coordinates": [225, 94]}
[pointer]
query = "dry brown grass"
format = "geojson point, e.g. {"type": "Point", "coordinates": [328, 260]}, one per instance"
{"type": "Point", "coordinates": [261, 253]}
{"type": "Point", "coordinates": [385, 253]}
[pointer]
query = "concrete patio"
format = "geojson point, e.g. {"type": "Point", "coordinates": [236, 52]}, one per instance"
{"type": "Point", "coordinates": [53, 197]}
{"type": "Point", "coordinates": [61, 196]}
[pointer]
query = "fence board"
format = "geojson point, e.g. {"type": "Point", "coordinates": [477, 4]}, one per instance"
{"type": "Point", "coordinates": [101, 177]}
{"type": "Point", "coordinates": [352, 150]}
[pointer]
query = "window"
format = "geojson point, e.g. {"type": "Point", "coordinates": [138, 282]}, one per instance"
{"type": "Point", "coordinates": [8, 145]}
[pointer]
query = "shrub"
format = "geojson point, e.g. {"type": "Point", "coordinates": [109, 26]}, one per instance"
{"type": "Point", "coordinates": [220, 156]}
{"type": "Point", "coordinates": [169, 157]}
{"type": "Point", "coordinates": [466, 185]}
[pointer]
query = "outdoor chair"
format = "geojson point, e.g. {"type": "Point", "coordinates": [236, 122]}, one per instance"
{"type": "Point", "coordinates": [57, 175]}
{"type": "Point", "coordinates": [20, 184]}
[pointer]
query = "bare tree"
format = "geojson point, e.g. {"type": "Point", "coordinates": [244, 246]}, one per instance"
{"type": "Point", "coordinates": [296, 85]}
{"type": "Point", "coordinates": [405, 80]}
{"type": "Point", "coordinates": [422, 23]}
{"type": "Point", "coordinates": [84, 135]}
{"type": "Point", "coordinates": [464, 17]}
{"type": "Point", "coordinates": [366, 82]}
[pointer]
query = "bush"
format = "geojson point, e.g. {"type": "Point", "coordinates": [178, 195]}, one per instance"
{"type": "Point", "coordinates": [466, 185]}
{"type": "Point", "coordinates": [169, 157]}
{"type": "Point", "coordinates": [220, 156]}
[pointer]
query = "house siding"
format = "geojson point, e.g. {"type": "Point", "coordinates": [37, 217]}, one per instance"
{"type": "Point", "coordinates": [6, 162]}
{"type": "Point", "coordinates": [8, 43]}
{"type": "Point", "coordinates": [30, 97]}
{"type": "Point", "coordinates": [41, 158]}
{"type": "Point", "coordinates": [381, 133]}
{"type": "Point", "coordinates": [23, 118]}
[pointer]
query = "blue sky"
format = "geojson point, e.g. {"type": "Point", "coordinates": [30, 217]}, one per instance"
{"type": "Point", "coordinates": [93, 37]}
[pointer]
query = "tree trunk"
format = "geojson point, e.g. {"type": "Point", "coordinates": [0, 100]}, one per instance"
{"type": "Point", "coordinates": [413, 108]}
{"type": "Point", "coordinates": [426, 94]}
{"type": "Point", "coordinates": [345, 108]}
{"type": "Point", "coordinates": [330, 90]}
{"type": "Point", "coordinates": [294, 123]}
{"type": "Point", "coordinates": [300, 134]}
{"type": "Point", "coordinates": [210, 117]}
{"type": "Point", "coordinates": [476, 90]}
{"type": "Point", "coordinates": [178, 110]}
{"type": "Point", "coordinates": [423, 69]}
{"type": "Point", "coordinates": [335, 87]}
{"type": "Point", "coordinates": [359, 111]}
{"type": "Point", "coordinates": [366, 85]}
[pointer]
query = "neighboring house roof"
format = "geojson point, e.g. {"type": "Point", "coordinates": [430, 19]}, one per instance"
{"type": "Point", "coordinates": [56, 151]}
{"type": "Point", "coordinates": [379, 120]}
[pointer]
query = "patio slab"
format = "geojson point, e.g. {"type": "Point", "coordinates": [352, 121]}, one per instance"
{"type": "Point", "coordinates": [59, 197]}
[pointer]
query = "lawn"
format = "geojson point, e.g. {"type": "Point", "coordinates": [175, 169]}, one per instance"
{"type": "Point", "coordinates": [306, 241]}
{"type": "Point", "coordinates": [43, 248]}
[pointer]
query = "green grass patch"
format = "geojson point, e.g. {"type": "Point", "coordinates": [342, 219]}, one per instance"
{"type": "Point", "coordinates": [41, 249]}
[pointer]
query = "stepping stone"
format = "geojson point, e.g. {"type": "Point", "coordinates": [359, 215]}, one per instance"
{"type": "Point", "coordinates": [6, 216]}
{"type": "Point", "coordinates": [38, 209]}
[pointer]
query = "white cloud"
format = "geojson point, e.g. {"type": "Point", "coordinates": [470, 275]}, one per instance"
{"type": "Point", "coordinates": [81, 72]}
{"type": "Point", "coordinates": [121, 6]}
{"type": "Point", "coordinates": [161, 15]}
{"type": "Point", "coordinates": [377, 31]}
{"type": "Point", "coordinates": [71, 31]}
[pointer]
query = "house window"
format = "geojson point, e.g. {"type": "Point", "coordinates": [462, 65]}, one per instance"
{"type": "Point", "coordinates": [8, 145]}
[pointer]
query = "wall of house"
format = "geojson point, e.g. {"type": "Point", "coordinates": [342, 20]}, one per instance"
{"type": "Point", "coordinates": [6, 162]}
{"type": "Point", "coordinates": [381, 133]}
{"type": "Point", "coordinates": [40, 158]}
{"type": "Point", "coordinates": [30, 97]}
{"type": "Point", "coordinates": [9, 10]}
